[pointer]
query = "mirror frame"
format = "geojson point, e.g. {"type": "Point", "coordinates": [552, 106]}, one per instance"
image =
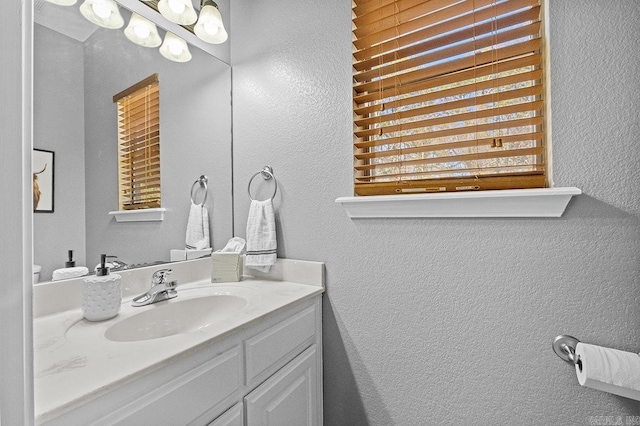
{"type": "Point", "coordinates": [16, 368]}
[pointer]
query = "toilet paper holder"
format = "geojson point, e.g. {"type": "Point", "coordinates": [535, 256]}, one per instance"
{"type": "Point", "coordinates": [565, 347]}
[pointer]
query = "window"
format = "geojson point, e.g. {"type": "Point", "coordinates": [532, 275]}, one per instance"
{"type": "Point", "coordinates": [449, 95]}
{"type": "Point", "coordinates": [139, 145]}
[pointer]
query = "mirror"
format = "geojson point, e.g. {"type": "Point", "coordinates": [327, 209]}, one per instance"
{"type": "Point", "coordinates": [78, 67]}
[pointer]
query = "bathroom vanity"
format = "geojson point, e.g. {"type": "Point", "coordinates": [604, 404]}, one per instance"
{"type": "Point", "coordinates": [245, 353]}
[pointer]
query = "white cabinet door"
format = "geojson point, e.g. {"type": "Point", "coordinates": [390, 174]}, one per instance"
{"type": "Point", "coordinates": [289, 397]}
{"type": "Point", "coordinates": [232, 417]}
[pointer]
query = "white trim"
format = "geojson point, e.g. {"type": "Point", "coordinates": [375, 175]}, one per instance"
{"type": "Point", "coordinates": [16, 354]}
{"type": "Point", "coordinates": [27, 205]}
{"type": "Point", "coordinates": [538, 202]}
{"type": "Point", "coordinates": [142, 215]}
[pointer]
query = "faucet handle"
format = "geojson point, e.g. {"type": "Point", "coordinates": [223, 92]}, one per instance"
{"type": "Point", "coordinates": [160, 276]}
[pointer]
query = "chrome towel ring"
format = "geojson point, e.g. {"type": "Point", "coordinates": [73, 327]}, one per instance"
{"type": "Point", "coordinates": [202, 180]}
{"type": "Point", "coordinates": [267, 174]}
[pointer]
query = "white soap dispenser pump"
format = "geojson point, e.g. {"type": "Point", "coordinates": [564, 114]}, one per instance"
{"type": "Point", "coordinates": [102, 293]}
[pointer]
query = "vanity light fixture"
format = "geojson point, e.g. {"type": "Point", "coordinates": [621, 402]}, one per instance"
{"type": "Point", "coordinates": [175, 49]}
{"type": "Point", "coordinates": [143, 32]}
{"type": "Point", "coordinates": [210, 27]}
{"type": "Point", "coordinates": [178, 11]}
{"type": "Point", "coordinates": [104, 13]}
{"type": "Point", "coordinates": [63, 2]}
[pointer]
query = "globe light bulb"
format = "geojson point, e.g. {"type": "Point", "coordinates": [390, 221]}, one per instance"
{"type": "Point", "coordinates": [177, 6]}
{"type": "Point", "coordinates": [101, 9]}
{"type": "Point", "coordinates": [142, 31]}
{"type": "Point", "coordinates": [210, 28]}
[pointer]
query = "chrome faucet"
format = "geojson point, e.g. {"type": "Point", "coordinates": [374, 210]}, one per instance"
{"type": "Point", "coordinates": [160, 290]}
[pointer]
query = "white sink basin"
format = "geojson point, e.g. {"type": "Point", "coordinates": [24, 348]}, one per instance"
{"type": "Point", "coordinates": [175, 316]}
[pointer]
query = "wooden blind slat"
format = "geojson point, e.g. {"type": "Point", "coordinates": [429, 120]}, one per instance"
{"type": "Point", "coordinates": [427, 44]}
{"type": "Point", "coordinates": [454, 118]}
{"type": "Point", "coordinates": [451, 158]}
{"type": "Point", "coordinates": [140, 177]}
{"type": "Point", "coordinates": [441, 30]}
{"type": "Point", "coordinates": [445, 81]}
{"type": "Point", "coordinates": [488, 57]}
{"type": "Point", "coordinates": [365, 6]}
{"type": "Point", "coordinates": [396, 13]}
{"type": "Point", "coordinates": [142, 157]}
{"type": "Point", "coordinates": [460, 49]}
{"type": "Point", "coordinates": [141, 139]}
{"type": "Point", "coordinates": [517, 123]}
{"type": "Point", "coordinates": [143, 188]}
{"type": "Point", "coordinates": [141, 183]}
{"type": "Point", "coordinates": [151, 96]}
{"type": "Point", "coordinates": [464, 89]}
{"type": "Point", "coordinates": [453, 19]}
{"type": "Point", "coordinates": [444, 105]}
{"type": "Point", "coordinates": [136, 111]}
{"type": "Point", "coordinates": [506, 139]}
{"type": "Point", "coordinates": [534, 169]}
{"type": "Point", "coordinates": [413, 186]}
{"type": "Point", "coordinates": [370, 37]}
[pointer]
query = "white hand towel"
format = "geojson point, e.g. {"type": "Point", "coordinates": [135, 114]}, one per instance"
{"type": "Point", "coordinates": [261, 236]}
{"type": "Point", "coordinates": [198, 228]}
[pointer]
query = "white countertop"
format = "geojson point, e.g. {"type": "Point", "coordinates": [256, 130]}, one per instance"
{"type": "Point", "coordinates": [75, 362]}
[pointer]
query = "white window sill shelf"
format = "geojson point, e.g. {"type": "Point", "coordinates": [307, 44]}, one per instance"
{"type": "Point", "coordinates": [539, 202]}
{"type": "Point", "coordinates": [142, 215]}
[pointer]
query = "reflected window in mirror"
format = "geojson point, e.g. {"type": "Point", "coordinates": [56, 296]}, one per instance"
{"type": "Point", "coordinates": [139, 145]}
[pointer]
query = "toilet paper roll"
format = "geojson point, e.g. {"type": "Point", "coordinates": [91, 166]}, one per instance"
{"type": "Point", "coordinates": [609, 370]}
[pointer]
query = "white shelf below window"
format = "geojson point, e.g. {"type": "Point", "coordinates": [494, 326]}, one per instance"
{"type": "Point", "coordinates": [539, 202]}
{"type": "Point", "coordinates": [142, 215]}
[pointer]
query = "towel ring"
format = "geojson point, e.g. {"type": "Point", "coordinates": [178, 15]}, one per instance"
{"type": "Point", "coordinates": [202, 180]}
{"type": "Point", "coordinates": [267, 173]}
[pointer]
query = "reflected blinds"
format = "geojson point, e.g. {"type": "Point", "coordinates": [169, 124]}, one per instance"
{"type": "Point", "coordinates": [139, 145]}
{"type": "Point", "coordinates": [448, 95]}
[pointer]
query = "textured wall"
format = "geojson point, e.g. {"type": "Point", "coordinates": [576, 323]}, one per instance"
{"type": "Point", "coordinates": [450, 321]}
{"type": "Point", "coordinates": [58, 125]}
{"type": "Point", "coordinates": [195, 135]}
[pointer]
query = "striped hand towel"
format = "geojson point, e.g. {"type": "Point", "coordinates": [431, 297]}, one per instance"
{"type": "Point", "coordinates": [261, 236]}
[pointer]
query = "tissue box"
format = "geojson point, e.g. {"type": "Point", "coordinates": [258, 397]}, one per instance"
{"type": "Point", "coordinates": [226, 267]}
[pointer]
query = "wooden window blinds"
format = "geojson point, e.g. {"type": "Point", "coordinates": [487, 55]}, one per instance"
{"type": "Point", "coordinates": [139, 145]}
{"type": "Point", "coordinates": [448, 95]}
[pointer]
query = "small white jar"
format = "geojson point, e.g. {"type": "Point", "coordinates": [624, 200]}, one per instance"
{"type": "Point", "coordinates": [101, 297]}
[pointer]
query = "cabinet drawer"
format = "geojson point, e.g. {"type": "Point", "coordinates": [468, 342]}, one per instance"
{"type": "Point", "coordinates": [273, 348]}
{"type": "Point", "coordinates": [205, 391]}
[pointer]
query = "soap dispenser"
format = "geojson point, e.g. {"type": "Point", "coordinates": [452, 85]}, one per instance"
{"type": "Point", "coordinates": [70, 263]}
{"type": "Point", "coordinates": [101, 293]}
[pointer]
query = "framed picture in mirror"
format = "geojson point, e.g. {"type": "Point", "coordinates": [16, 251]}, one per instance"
{"type": "Point", "coordinates": [42, 167]}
